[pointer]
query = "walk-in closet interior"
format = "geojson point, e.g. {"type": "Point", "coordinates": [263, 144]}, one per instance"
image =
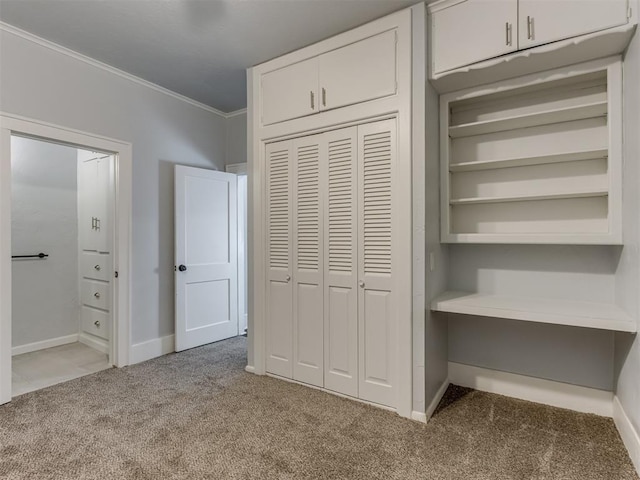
{"type": "Point", "coordinates": [61, 235]}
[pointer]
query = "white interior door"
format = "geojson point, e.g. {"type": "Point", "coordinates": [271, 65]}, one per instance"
{"type": "Point", "coordinates": [206, 256]}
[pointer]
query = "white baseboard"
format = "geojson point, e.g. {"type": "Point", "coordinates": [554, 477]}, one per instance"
{"type": "Point", "coordinates": [419, 416]}
{"type": "Point", "coordinates": [52, 342]}
{"type": "Point", "coordinates": [630, 436]}
{"type": "Point", "coordinates": [141, 352]}
{"type": "Point", "coordinates": [436, 400]}
{"type": "Point", "coordinates": [549, 392]}
{"type": "Point", "coordinates": [250, 369]}
{"type": "Point", "coordinates": [94, 342]}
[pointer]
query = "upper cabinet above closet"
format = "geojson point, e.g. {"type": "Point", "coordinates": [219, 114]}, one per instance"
{"type": "Point", "coordinates": [355, 73]}
{"type": "Point", "coordinates": [473, 42]}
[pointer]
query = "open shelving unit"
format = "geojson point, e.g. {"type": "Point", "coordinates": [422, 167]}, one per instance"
{"type": "Point", "coordinates": [543, 310]}
{"type": "Point", "coordinates": [535, 160]}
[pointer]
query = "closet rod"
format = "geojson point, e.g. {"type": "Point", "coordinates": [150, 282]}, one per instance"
{"type": "Point", "coordinates": [39, 255]}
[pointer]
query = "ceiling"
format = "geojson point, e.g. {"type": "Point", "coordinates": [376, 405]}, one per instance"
{"type": "Point", "coordinates": [198, 48]}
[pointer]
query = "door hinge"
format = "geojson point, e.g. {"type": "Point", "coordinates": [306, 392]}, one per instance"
{"type": "Point", "coordinates": [629, 13]}
{"type": "Point", "coordinates": [175, 268]}
{"type": "Point", "coordinates": [116, 275]}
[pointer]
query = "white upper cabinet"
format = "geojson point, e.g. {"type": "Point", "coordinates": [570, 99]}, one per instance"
{"type": "Point", "coordinates": [290, 92]}
{"type": "Point", "coordinates": [470, 30]}
{"type": "Point", "coordinates": [544, 21]}
{"type": "Point", "coordinates": [362, 71]}
{"type": "Point", "coordinates": [467, 32]}
{"type": "Point", "coordinates": [359, 72]}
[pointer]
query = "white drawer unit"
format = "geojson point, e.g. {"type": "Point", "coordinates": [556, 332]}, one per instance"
{"type": "Point", "coordinates": [96, 322]}
{"type": "Point", "coordinates": [95, 266]}
{"type": "Point", "coordinates": [359, 72]}
{"type": "Point", "coordinates": [95, 294]}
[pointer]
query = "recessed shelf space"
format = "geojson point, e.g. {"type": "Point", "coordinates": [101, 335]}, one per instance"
{"type": "Point", "coordinates": [542, 310]}
{"type": "Point", "coordinates": [528, 161]}
{"type": "Point", "coordinates": [537, 155]}
{"type": "Point", "coordinates": [528, 198]}
{"type": "Point", "coordinates": [568, 114]}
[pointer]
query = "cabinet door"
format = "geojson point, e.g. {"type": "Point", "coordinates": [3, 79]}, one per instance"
{"type": "Point", "coordinates": [544, 21]}
{"type": "Point", "coordinates": [341, 261]}
{"type": "Point", "coordinates": [309, 157]}
{"type": "Point", "coordinates": [290, 92]}
{"type": "Point", "coordinates": [102, 205]}
{"type": "Point", "coordinates": [279, 339]}
{"type": "Point", "coordinates": [471, 31]}
{"type": "Point", "coordinates": [376, 315]}
{"type": "Point", "coordinates": [359, 72]}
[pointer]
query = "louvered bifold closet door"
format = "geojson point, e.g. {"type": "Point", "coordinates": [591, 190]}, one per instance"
{"type": "Point", "coordinates": [279, 340]}
{"type": "Point", "coordinates": [376, 238]}
{"type": "Point", "coordinates": [308, 355]}
{"type": "Point", "coordinates": [341, 263]}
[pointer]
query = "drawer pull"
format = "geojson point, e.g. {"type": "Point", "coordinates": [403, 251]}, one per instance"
{"type": "Point", "coordinates": [97, 294]}
{"type": "Point", "coordinates": [97, 323]}
{"type": "Point", "coordinates": [97, 267]}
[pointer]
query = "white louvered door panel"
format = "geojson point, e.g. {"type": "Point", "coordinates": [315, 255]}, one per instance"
{"type": "Point", "coordinates": [376, 317]}
{"type": "Point", "coordinates": [341, 263]}
{"type": "Point", "coordinates": [308, 160]}
{"type": "Point", "coordinates": [279, 340]}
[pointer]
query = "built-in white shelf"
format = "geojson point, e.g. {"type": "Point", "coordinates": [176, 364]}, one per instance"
{"type": "Point", "coordinates": [567, 114]}
{"type": "Point", "coordinates": [528, 161]}
{"type": "Point", "coordinates": [542, 310]}
{"type": "Point", "coordinates": [528, 198]}
{"type": "Point", "coordinates": [535, 159]}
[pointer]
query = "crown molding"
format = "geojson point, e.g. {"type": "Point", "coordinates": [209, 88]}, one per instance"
{"type": "Point", "coordinates": [235, 113]}
{"type": "Point", "coordinates": [96, 63]}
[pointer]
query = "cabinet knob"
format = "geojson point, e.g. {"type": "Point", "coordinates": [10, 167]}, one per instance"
{"type": "Point", "coordinates": [361, 283]}
{"type": "Point", "coordinates": [313, 103]}
{"type": "Point", "coordinates": [97, 294]}
{"type": "Point", "coordinates": [97, 267]}
{"type": "Point", "coordinates": [324, 97]}
{"type": "Point", "coordinates": [288, 278]}
{"type": "Point", "coordinates": [97, 323]}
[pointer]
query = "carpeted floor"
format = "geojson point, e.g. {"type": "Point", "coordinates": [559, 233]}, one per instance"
{"type": "Point", "coordinates": [198, 415]}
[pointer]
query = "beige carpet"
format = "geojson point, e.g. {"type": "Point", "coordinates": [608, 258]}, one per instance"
{"type": "Point", "coordinates": [198, 415]}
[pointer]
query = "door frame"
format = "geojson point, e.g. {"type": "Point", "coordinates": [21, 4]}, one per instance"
{"type": "Point", "coordinates": [240, 169]}
{"type": "Point", "coordinates": [11, 124]}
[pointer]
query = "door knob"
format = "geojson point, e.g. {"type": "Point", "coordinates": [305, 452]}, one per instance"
{"type": "Point", "coordinates": [361, 283]}
{"type": "Point", "coordinates": [182, 268]}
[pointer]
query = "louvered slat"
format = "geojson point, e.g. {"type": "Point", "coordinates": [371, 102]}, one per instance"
{"type": "Point", "coordinates": [376, 206]}
{"type": "Point", "coordinates": [340, 215]}
{"type": "Point", "coordinates": [279, 209]}
{"type": "Point", "coordinates": [308, 207]}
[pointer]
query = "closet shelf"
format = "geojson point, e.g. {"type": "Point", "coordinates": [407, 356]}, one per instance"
{"type": "Point", "coordinates": [528, 161]}
{"type": "Point", "coordinates": [542, 310]}
{"type": "Point", "coordinates": [528, 198]}
{"type": "Point", "coordinates": [567, 114]}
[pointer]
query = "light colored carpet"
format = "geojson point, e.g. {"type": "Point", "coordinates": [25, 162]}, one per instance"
{"type": "Point", "coordinates": [198, 415]}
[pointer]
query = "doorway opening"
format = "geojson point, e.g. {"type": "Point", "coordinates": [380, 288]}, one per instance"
{"type": "Point", "coordinates": [240, 169]}
{"type": "Point", "coordinates": [65, 210]}
{"type": "Point", "coordinates": [61, 238]}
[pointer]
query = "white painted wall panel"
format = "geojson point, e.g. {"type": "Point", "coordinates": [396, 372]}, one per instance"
{"type": "Point", "coordinates": [44, 219]}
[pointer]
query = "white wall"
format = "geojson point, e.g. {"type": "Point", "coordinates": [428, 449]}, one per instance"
{"type": "Point", "coordinates": [627, 347]}
{"type": "Point", "coordinates": [44, 218]}
{"type": "Point", "coordinates": [41, 83]}
{"type": "Point", "coordinates": [236, 139]}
